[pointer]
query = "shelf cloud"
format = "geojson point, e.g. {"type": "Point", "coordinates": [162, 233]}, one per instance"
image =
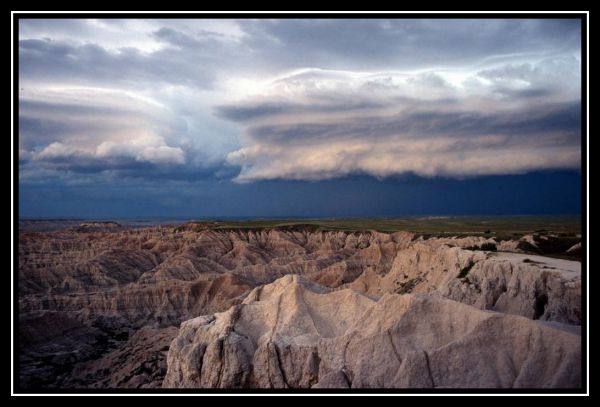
{"type": "Point", "coordinates": [320, 125]}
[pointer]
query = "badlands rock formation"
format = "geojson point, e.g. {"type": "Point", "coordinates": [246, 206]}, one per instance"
{"type": "Point", "coordinates": [99, 306]}
{"type": "Point", "coordinates": [293, 333]}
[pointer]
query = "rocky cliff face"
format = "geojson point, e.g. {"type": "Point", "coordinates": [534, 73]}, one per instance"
{"type": "Point", "coordinates": [95, 301]}
{"type": "Point", "coordinates": [294, 333]}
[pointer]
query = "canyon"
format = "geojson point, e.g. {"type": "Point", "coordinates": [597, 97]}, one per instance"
{"type": "Point", "coordinates": [295, 306]}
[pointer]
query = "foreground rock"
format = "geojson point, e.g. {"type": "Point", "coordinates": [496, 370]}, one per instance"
{"type": "Point", "coordinates": [296, 334]}
{"type": "Point", "coordinates": [532, 286]}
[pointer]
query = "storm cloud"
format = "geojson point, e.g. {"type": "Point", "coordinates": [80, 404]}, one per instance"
{"type": "Point", "coordinates": [104, 101]}
{"type": "Point", "coordinates": [321, 124]}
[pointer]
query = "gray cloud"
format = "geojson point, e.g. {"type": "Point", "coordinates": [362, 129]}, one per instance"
{"type": "Point", "coordinates": [93, 64]}
{"type": "Point", "coordinates": [402, 131]}
{"type": "Point", "coordinates": [368, 44]}
{"type": "Point", "coordinates": [90, 132]}
{"type": "Point", "coordinates": [544, 119]}
{"type": "Point", "coordinates": [187, 53]}
{"type": "Point", "coordinates": [299, 99]}
{"type": "Point", "coordinates": [253, 111]}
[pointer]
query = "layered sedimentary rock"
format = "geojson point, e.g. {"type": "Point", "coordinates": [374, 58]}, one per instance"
{"type": "Point", "coordinates": [89, 296]}
{"type": "Point", "coordinates": [294, 333]}
{"type": "Point", "coordinates": [544, 288]}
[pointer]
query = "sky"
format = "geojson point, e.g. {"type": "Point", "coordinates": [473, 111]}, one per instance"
{"type": "Point", "coordinates": [197, 118]}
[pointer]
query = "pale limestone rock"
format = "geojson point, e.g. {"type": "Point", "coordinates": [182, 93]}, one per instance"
{"type": "Point", "coordinates": [295, 334]}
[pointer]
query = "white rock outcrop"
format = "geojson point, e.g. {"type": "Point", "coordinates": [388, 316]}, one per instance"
{"type": "Point", "coordinates": [294, 333]}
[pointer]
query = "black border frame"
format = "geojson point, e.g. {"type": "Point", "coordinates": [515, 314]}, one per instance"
{"type": "Point", "coordinates": [582, 17]}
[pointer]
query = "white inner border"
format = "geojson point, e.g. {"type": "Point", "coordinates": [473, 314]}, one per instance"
{"type": "Point", "coordinates": [12, 226]}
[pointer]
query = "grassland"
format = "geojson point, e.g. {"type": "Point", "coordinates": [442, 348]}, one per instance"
{"type": "Point", "coordinates": [500, 226]}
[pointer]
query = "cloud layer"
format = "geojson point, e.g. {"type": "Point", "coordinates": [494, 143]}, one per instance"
{"type": "Point", "coordinates": [251, 100]}
{"type": "Point", "coordinates": [322, 124]}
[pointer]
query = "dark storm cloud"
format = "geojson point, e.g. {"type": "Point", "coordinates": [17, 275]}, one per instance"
{"type": "Point", "coordinates": [312, 99]}
{"type": "Point", "coordinates": [246, 113]}
{"type": "Point", "coordinates": [563, 118]}
{"type": "Point", "coordinates": [72, 166]}
{"type": "Point", "coordinates": [533, 193]}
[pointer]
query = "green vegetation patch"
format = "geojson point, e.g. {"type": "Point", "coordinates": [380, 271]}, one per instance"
{"type": "Point", "coordinates": [499, 228]}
